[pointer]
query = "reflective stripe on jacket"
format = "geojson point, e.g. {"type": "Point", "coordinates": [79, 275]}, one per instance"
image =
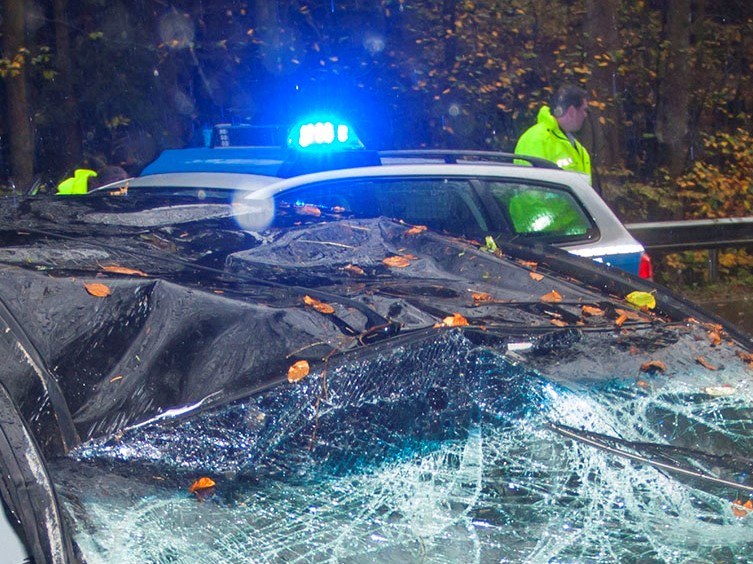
{"type": "Point", "coordinates": [546, 140]}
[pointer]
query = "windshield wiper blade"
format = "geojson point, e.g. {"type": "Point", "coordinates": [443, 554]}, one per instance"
{"type": "Point", "coordinates": [670, 458]}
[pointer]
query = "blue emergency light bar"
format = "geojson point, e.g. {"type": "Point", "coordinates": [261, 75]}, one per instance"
{"type": "Point", "coordinates": [323, 135]}
{"type": "Point", "coordinates": [313, 145]}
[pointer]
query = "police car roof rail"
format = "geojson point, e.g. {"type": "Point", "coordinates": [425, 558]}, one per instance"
{"type": "Point", "coordinates": [452, 156]}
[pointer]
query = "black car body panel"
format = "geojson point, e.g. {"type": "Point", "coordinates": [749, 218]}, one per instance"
{"type": "Point", "coordinates": [138, 349]}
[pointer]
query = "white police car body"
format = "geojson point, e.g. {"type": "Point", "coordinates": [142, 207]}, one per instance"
{"type": "Point", "coordinates": [472, 194]}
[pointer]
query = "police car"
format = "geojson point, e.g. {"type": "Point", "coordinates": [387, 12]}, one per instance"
{"type": "Point", "coordinates": [323, 172]}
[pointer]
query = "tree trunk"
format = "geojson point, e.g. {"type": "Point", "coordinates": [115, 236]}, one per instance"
{"type": "Point", "coordinates": [673, 103]}
{"type": "Point", "coordinates": [601, 41]}
{"type": "Point", "coordinates": [21, 132]}
{"type": "Point", "coordinates": [72, 126]}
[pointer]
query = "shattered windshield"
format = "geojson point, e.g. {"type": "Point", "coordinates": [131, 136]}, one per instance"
{"type": "Point", "coordinates": [366, 391]}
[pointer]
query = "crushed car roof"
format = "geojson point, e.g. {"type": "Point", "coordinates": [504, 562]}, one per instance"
{"type": "Point", "coordinates": [118, 332]}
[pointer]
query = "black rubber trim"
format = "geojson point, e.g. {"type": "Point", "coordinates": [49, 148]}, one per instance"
{"type": "Point", "coordinates": [27, 489]}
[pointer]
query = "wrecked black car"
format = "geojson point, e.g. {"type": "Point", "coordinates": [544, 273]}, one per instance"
{"type": "Point", "coordinates": [178, 389]}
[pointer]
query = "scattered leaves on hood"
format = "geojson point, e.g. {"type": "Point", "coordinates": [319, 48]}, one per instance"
{"type": "Point", "coordinates": [491, 244]}
{"type": "Point", "coordinates": [536, 276]}
{"type": "Point", "coordinates": [592, 311]}
{"type": "Point", "coordinates": [98, 290]}
{"type": "Point", "coordinates": [416, 229]}
{"type": "Point", "coordinates": [559, 322]}
{"type": "Point", "coordinates": [720, 391]}
{"type": "Point", "coordinates": [354, 270]}
{"type": "Point", "coordinates": [123, 270]}
{"type": "Point", "coordinates": [653, 366]}
{"type": "Point", "coordinates": [455, 320]}
{"type": "Point", "coordinates": [641, 299]}
{"type": "Point", "coordinates": [201, 484]}
{"type": "Point", "coordinates": [298, 371]}
{"type": "Point", "coordinates": [706, 364]}
{"type": "Point", "coordinates": [553, 296]}
{"type": "Point", "coordinates": [398, 261]}
{"type": "Point", "coordinates": [319, 306]}
{"type": "Point", "coordinates": [741, 509]}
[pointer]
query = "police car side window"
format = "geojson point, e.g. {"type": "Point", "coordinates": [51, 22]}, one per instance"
{"type": "Point", "coordinates": [438, 203]}
{"type": "Point", "coordinates": [535, 210]}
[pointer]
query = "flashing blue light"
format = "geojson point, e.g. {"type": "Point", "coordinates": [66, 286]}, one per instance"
{"type": "Point", "coordinates": [323, 134]}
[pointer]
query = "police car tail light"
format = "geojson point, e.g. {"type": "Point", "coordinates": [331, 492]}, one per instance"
{"type": "Point", "coordinates": [323, 135]}
{"type": "Point", "coordinates": [645, 268]}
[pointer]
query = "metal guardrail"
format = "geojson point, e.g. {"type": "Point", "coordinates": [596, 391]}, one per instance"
{"type": "Point", "coordinates": [711, 234]}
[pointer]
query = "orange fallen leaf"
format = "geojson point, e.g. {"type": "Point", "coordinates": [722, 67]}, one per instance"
{"type": "Point", "coordinates": [122, 191]}
{"type": "Point", "coordinates": [115, 379]}
{"type": "Point", "coordinates": [308, 209]}
{"type": "Point", "coordinates": [620, 320]}
{"type": "Point", "coordinates": [97, 290]}
{"type": "Point", "coordinates": [653, 365]}
{"type": "Point", "coordinates": [706, 364]}
{"type": "Point", "coordinates": [740, 509]}
{"type": "Point", "coordinates": [592, 311]}
{"type": "Point", "coordinates": [552, 296]}
{"type": "Point", "coordinates": [745, 357]}
{"type": "Point", "coordinates": [354, 270]}
{"type": "Point", "coordinates": [715, 338]}
{"type": "Point", "coordinates": [321, 307]}
{"type": "Point", "coordinates": [529, 263]}
{"type": "Point", "coordinates": [536, 276]}
{"type": "Point", "coordinates": [642, 384]}
{"type": "Point", "coordinates": [397, 261]}
{"type": "Point", "coordinates": [455, 320]}
{"type": "Point", "coordinates": [559, 323]}
{"type": "Point", "coordinates": [632, 315]}
{"type": "Point", "coordinates": [298, 371]}
{"type": "Point", "coordinates": [416, 229]}
{"type": "Point", "coordinates": [481, 297]}
{"type": "Point", "coordinates": [201, 484]}
{"type": "Point", "coordinates": [123, 270]}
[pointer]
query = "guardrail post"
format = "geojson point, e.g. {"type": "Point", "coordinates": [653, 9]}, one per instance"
{"type": "Point", "coordinates": [713, 265]}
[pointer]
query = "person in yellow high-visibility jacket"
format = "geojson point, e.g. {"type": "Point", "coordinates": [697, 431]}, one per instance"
{"type": "Point", "coordinates": [85, 180]}
{"type": "Point", "coordinates": [551, 137]}
{"type": "Point", "coordinates": [78, 183]}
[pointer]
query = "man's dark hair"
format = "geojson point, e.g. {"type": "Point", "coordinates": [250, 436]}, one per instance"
{"type": "Point", "coordinates": [106, 175]}
{"type": "Point", "coordinates": [566, 96]}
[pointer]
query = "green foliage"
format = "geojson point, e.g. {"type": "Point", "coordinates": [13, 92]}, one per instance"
{"type": "Point", "coordinates": [634, 200]}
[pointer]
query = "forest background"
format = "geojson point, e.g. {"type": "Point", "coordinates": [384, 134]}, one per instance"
{"type": "Point", "coordinates": [671, 83]}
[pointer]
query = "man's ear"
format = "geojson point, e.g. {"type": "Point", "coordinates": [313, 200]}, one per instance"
{"type": "Point", "coordinates": [558, 111]}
